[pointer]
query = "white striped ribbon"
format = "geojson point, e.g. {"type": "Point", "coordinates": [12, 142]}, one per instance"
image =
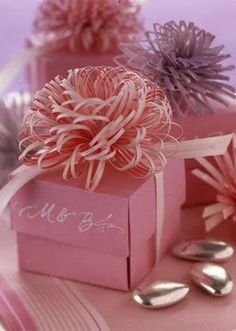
{"type": "Point", "coordinates": [49, 303]}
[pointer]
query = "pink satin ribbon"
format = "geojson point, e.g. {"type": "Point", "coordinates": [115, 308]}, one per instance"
{"type": "Point", "coordinates": [160, 212]}
{"type": "Point", "coordinates": [15, 66]}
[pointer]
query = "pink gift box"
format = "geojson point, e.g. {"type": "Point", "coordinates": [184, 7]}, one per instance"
{"type": "Point", "coordinates": [47, 67]}
{"type": "Point", "coordinates": [106, 237]}
{"type": "Point", "coordinates": [221, 122]}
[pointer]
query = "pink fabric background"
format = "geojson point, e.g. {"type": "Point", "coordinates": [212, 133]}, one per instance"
{"type": "Point", "coordinates": [218, 16]}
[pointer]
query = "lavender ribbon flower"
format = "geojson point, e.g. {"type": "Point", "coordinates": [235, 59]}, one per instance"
{"type": "Point", "coordinates": [183, 60]}
{"type": "Point", "coordinates": [12, 111]}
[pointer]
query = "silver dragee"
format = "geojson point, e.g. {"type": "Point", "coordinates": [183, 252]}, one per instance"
{"type": "Point", "coordinates": [160, 294]}
{"type": "Point", "coordinates": [212, 278]}
{"type": "Point", "coordinates": [204, 250]}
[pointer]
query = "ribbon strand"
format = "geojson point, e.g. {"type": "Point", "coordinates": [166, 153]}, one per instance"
{"type": "Point", "coordinates": [16, 183]}
{"type": "Point", "coordinates": [14, 67]}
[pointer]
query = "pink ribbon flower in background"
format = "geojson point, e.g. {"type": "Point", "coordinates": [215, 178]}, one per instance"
{"type": "Point", "coordinates": [184, 61]}
{"type": "Point", "coordinates": [97, 116]}
{"type": "Point", "coordinates": [220, 173]}
{"type": "Point", "coordinates": [75, 25]}
{"type": "Point", "coordinates": [85, 25]}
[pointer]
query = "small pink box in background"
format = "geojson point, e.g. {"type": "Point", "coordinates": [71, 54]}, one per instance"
{"type": "Point", "coordinates": [47, 67]}
{"type": "Point", "coordinates": [208, 125]}
{"type": "Point", "coordinates": [106, 237]}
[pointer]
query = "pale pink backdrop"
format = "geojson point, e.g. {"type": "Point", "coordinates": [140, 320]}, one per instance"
{"type": "Point", "coordinates": [218, 16]}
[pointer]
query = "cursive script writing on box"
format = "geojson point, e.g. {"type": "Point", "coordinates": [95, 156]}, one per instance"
{"type": "Point", "coordinates": [51, 213]}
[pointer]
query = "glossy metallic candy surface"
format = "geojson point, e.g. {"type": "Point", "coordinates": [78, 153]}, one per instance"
{"type": "Point", "coordinates": [160, 294]}
{"type": "Point", "coordinates": [204, 250]}
{"type": "Point", "coordinates": [212, 278]}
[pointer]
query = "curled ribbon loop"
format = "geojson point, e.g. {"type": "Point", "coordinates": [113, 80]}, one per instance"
{"type": "Point", "coordinates": [97, 116]}
{"type": "Point", "coordinates": [219, 172]}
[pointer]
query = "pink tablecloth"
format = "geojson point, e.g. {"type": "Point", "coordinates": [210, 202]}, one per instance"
{"type": "Point", "coordinates": [56, 305]}
{"type": "Point", "coordinates": [199, 312]}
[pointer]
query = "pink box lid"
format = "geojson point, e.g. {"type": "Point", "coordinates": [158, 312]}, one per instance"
{"type": "Point", "coordinates": [48, 66]}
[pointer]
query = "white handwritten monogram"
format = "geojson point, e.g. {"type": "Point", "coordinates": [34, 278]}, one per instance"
{"type": "Point", "coordinates": [54, 215]}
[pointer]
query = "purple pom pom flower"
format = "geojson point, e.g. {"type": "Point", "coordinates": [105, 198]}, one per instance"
{"type": "Point", "coordinates": [183, 60]}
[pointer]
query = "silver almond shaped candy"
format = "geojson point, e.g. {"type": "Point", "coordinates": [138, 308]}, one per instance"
{"type": "Point", "coordinates": [160, 294]}
{"type": "Point", "coordinates": [204, 250]}
{"type": "Point", "coordinates": [212, 278]}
